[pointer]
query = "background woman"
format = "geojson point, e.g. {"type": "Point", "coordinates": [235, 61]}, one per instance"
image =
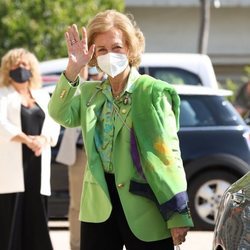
{"type": "Point", "coordinates": [26, 136]}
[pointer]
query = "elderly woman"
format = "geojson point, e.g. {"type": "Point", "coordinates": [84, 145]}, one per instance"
{"type": "Point", "coordinates": [134, 188]}
{"type": "Point", "coordinates": [26, 136]}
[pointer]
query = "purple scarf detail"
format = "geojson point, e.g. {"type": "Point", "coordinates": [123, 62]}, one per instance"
{"type": "Point", "coordinates": [135, 153]}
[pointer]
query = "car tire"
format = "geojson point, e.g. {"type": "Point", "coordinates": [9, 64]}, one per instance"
{"type": "Point", "coordinates": [205, 192]}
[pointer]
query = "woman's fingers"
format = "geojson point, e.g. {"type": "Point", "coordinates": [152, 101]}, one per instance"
{"type": "Point", "coordinates": [84, 40]}
{"type": "Point", "coordinates": [73, 40]}
{"type": "Point", "coordinates": [91, 51]}
{"type": "Point", "coordinates": [179, 235]}
{"type": "Point", "coordinates": [36, 144]}
{"type": "Point", "coordinates": [78, 52]}
{"type": "Point", "coordinates": [73, 34]}
{"type": "Point", "coordinates": [38, 152]}
{"type": "Point", "coordinates": [67, 39]}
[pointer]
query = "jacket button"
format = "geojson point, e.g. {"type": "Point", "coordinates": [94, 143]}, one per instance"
{"type": "Point", "coordinates": [120, 185]}
{"type": "Point", "coordinates": [124, 111]}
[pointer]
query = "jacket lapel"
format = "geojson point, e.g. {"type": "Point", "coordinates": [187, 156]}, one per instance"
{"type": "Point", "coordinates": [90, 125]}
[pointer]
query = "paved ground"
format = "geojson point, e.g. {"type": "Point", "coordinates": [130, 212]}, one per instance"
{"type": "Point", "coordinates": [194, 241]}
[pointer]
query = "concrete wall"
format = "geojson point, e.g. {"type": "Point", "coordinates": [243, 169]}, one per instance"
{"type": "Point", "coordinates": [187, 3]}
{"type": "Point", "coordinates": [176, 29]}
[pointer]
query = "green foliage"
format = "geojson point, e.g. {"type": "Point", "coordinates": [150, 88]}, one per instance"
{"type": "Point", "coordinates": [39, 25]}
{"type": "Point", "coordinates": [234, 87]}
{"type": "Point", "coordinates": [247, 74]}
{"type": "Point", "coordinates": [231, 85]}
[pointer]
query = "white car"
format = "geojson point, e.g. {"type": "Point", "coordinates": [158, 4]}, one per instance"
{"type": "Point", "coordinates": [176, 68]}
{"type": "Point", "coordinates": [180, 68]}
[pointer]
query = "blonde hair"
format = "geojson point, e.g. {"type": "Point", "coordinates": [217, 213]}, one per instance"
{"type": "Point", "coordinates": [10, 59]}
{"type": "Point", "coordinates": [134, 38]}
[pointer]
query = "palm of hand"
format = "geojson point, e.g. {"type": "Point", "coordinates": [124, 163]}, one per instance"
{"type": "Point", "coordinates": [78, 52]}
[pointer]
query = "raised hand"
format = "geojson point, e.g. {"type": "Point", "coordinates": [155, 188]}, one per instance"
{"type": "Point", "coordinates": [78, 52]}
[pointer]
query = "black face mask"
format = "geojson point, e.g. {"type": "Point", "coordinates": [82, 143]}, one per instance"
{"type": "Point", "coordinates": [20, 75]}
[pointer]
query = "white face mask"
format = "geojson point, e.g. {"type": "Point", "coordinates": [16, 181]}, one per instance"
{"type": "Point", "coordinates": [112, 63]}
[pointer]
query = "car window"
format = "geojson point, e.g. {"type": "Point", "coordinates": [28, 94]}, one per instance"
{"type": "Point", "coordinates": [207, 111]}
{"type": "Point", "coordinates": [188, 116]}
{"type": "Point", "coordinates": [195, 113]}
{"type": "Point", "coordinates": [172, 75]}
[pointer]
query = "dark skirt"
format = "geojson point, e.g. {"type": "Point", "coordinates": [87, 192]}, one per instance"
{"type": "Point", "coordinates": [23, 216]}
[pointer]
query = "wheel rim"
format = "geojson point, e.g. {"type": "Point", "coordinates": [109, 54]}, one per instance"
{"type": "Point", "coordinates": [208, 197]}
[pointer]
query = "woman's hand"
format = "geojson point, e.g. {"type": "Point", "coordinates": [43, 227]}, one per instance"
{"type": "Point", "coordinates": [36, 144]}
{"type": "Point", "coordinates": [179, 234]}
{"type": "Point", "coordinates": [78, 52]}
{"type": "Point", "coordinates": [33, 142]}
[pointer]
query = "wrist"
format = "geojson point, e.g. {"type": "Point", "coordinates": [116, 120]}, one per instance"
{"type": "Point", "coordinates": [75, 82]}
{"type": "Point", "coordinates": [28, 140]}
{"type": "Point", "coordinates": [71, 77]}
{"type": "Point", "coordinates": [46, 140]}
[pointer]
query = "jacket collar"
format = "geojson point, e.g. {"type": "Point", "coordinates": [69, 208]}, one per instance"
{"type": "Point", "coordinates": [125, 105]}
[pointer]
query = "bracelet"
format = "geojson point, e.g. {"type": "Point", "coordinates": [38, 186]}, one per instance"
{"type": "Point", "coordinates": [75, 82]}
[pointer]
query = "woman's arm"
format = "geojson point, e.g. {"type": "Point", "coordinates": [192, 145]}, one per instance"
{"type": "Point", "coordinates": [64, 105]}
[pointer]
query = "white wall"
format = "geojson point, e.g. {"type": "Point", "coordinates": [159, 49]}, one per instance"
{"type": "Point", "coordinates": [176, 29]}
{"type": "Point", "coordinates": [187, 3]}
{"type": "Point", "coordinates": [168, 29]}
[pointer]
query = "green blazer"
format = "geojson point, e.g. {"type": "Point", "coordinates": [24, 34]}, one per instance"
{"type": "Point", "coordinates": [142, 213]}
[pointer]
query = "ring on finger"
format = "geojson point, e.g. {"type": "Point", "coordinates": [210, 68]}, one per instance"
{"type": "Point", "coordinates": [73, 41]}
